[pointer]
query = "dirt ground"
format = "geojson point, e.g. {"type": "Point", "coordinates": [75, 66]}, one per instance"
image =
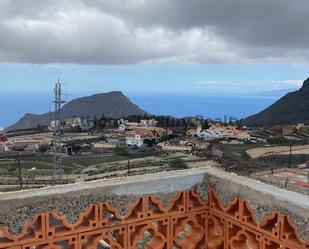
{"type": "Point", "coordinates": [293, 179]}
{"type": "Point", "coordinates": [277, 150]}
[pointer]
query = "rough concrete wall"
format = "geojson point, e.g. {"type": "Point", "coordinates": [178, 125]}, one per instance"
{"type": "Point", "coordinates": [264, 199]}
{"type": "Point", "coordinates": [70, 201]}
{"type": "Point", "coordinates": [18, 208]}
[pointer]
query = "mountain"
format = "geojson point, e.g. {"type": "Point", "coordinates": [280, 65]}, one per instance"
{"type": "Point", "coordinates": [113, 104]}
{"type": "Point", "coordinates": [291, 108]}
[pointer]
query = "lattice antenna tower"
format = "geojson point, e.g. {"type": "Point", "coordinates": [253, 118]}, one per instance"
{"type": "Point", "coordinates": [57, 141]}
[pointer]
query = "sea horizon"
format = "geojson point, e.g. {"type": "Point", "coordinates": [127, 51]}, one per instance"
{"type": "Point", "coordinates": [209, 106]}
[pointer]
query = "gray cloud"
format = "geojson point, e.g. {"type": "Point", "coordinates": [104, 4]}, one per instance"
{"type": "Point", "coordinates": [153, 31]}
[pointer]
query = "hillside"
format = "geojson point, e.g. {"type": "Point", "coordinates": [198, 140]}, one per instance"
{"type": "Point", "coordinates": [292, 108]}
{"type": "Point", "coordinates": [113, 104]}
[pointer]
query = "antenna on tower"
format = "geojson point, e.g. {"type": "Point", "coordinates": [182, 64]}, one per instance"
{"type": "Point", "coordinates": [58, 171]}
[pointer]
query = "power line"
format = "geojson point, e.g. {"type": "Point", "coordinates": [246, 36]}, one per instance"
{"type": "Point", "coordinates": [57, 141]}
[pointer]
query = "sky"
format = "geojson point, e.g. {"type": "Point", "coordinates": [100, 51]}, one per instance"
{"type": "Point", "coordinates": [198, 79]}
{"type": "Point", "coordinates": [165, 47]}
{"type": "Point", "coordinates": [171, 46]}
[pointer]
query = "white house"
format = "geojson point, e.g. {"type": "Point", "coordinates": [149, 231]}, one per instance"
{"type": "Point", "coordinates": [53, 124]}
{"type": "Point", "coordinates": [126, 125]}
{"type": "Point", "coordinates": [121, 127]}
{"type": "Point", "coordinates": [134, 140]}
{"type": "Point", "coordinates": [149, 122]}
{"type": "Point", "coordinates": [132, 125]}
{"type": "Point", "coordinates": [82, 123]}
{"type": "Point", "coordinates": [210, 134]}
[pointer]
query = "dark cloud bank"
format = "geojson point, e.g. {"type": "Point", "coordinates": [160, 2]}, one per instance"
{"type": "Point", "coordinates": [154, 31]}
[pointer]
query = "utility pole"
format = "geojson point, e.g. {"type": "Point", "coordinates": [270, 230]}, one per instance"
{"type": "Point", "coordinates": [286, 182]}
{"type": "Point", "coordinates": [58, 171]}
{"type": "Point", "coordinates": [290, 157]}
{"type": "Point", "coordinates": [20, 171]}
{"type": "Point", "coordinates": [307, 171]}
{"type": "Point", "coordinates": [20, 175]}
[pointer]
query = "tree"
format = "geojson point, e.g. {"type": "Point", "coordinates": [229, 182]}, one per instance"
{"type": "Point", "coordinates": [96, 122]}
{"type": "Point", "coordinates": [240, 123]}
{"type": "Point", "coordinates": [121, 150]}
{"type": "Point", "coordinates": [178, 163]}
{"type": "Point", "coordinates": [206, 124]}
{"type": "Point", "coordinates": [149, 142]}
{"type": "Point", "coordinates": [178, 122]}
{"type": "Point", "coordinates": [184, 122]}
{"type": "Point", "coordinates": [43, 148]}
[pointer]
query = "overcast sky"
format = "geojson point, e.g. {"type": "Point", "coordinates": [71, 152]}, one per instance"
{"type": "Point", "coordinates": [136, 35]}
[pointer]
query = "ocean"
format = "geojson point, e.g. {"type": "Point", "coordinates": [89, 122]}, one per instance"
{"type": "Point", "coordinates": [209, 107]}
{"type": "Point", "coordinates": [14, 105]}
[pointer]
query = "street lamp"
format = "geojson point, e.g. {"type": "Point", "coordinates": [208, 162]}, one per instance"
{"type": "Point", "coordinates": [21, 176]}
{"type": "Point", "coordinates": [20, 172]}
{"type": "Point", "coordinates": [290, 155]}
{"type": "Point", "coordinates": [28, 170]}
{"type": "Point", "coordinates": [307, 171]}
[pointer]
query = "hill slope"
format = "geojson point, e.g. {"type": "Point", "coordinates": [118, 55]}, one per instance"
{"type": "Point", "coordinates": [292, 108]}
{"type": "Point", "coordinates": [113, 104]}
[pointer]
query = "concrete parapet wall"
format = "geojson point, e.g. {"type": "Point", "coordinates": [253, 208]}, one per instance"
{"type": "Point", "coordinates": [69, 201]}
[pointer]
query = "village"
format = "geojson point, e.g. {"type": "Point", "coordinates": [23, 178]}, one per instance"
{"type": "Point", "coordinates": [103, 148]}
{"type": "Point", "coordinates": [146, 133]}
